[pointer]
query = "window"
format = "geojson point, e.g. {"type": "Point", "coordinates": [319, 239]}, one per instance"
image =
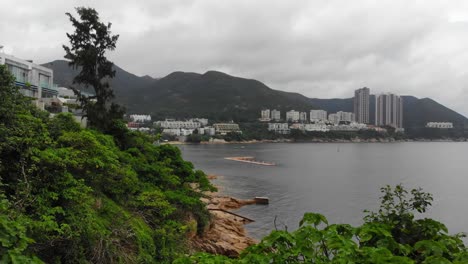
{"type": "Point", "coordinates": [20, 74]}
{"type": "Point", "coordinates": [44, 81]}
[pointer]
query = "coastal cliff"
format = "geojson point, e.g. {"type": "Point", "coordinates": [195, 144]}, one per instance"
{"type": "Point", "coordinates": [226, 234]}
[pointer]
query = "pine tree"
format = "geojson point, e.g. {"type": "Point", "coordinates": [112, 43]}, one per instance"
{"type": "Point", "coordinates": [88, 45]}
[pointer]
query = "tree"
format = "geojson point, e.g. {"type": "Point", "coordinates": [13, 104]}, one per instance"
{"type": "Point", "coordinates": [88, 45]}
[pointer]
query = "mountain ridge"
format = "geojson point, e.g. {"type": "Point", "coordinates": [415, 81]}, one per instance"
{"type": "Point", "coordinates": [220, 96]}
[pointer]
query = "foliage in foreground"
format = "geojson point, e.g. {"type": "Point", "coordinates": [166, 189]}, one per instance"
{"type": "Point", "coordinates": [73, 195]}
{"type": "Point", "coordinates": [391, 235]}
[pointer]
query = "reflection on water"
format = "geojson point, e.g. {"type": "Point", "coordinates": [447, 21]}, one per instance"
{"type": "Point", "coordinates": [337, 180]}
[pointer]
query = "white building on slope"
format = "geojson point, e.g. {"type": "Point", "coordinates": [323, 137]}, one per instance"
{"type": "Point", "coordinates": [34, 80]}
{"type": "Point", "coordinates": [279, 128]}
{"type": "Point", "coordinates": [275, 115]}
{"type": "Point", "coordinates": [318, 115]}
{"type": "Point", "coordinates": [442, 125]}
{"type": "Point", "coordinates": [265, 115]}
{"type": "Point", "coordinates": [292, 116]}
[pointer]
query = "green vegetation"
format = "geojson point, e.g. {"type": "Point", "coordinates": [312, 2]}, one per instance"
{"type": "Point", "coordinates": [108, 195]}
{"type": "Point", "coordinates": [390, 235]}
{"type": "Point", "coordinates": [88, 45]}
{"type": "Point", "coordinates": [73, 195]}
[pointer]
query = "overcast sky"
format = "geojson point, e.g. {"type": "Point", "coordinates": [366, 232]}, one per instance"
{"type": "Point", "coordinates": [318, 48]}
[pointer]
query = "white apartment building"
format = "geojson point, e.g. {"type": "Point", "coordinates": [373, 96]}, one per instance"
{"type": "Point", "coordinates": [303, 116]}
{"type": "Point", "coordinates": [275, 115]}
{"type": "Point", "coordinates": [265, 115]}
{"type": "Point", "coordinates": [279, 128]}
{"type": "Point", "coordinates": [33, 80]}
{"type": "Point", "coordinates": [292, 116]}
{"type": "Point", "coordinates": [442, 125]}
{"type": "Point", "coordinates": [345, 116]}
{"type": "Point", "coordinates": [318, 115]}
{"type": "Point", "coordinates": [169, 123]}
{"type": "Point", "coordinates": [140, 118]}
{"type": "Point", "coordinates": [334, 118]}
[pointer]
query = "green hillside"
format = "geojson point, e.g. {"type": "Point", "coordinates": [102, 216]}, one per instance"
{"type": "Point", "coordinates": [215, 95]}
{"type": "Point", "coordinates": [123, 84]}
{"type": "Point", "coordinates": [219, 96]}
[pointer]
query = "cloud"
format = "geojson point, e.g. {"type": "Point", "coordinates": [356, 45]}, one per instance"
{"type": "Point", "coordinates": [318, 48]}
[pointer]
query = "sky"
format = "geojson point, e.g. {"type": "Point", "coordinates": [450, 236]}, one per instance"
{"type": "Point", "coordinates": [323, 49]}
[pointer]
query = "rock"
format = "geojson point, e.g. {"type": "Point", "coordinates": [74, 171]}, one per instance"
{"type": "Point", "coordinates": [226, 234]}
{"type": "Point", "coordinates": [212, 177]}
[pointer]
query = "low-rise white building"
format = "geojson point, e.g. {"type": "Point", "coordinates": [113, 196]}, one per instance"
{"type": "Point", "coordinates": [170, 123]}
{"type": "Point", "coordinates": [318, 115]}
{"type": "Point", "coordinates": [140, 118]}
{"type": "Point", "coordinates": [316, 127]}
{"type": "Point", "coordinates": [171, 131]}
{"type": "Point", "coordinates": [202, 121]}
{"type": "Point", "coordinates": [210, 131]}
{"type": "Point", "coordinates": [292, 116]}
{"type": "Point", "coordinates": [279, 128]}
{"type": "Point", "coordinates": [442, 125]}
{"type": "Point", "coordinates": [353, 126]}
{"type": "Point", "coordinates": [224, 128]}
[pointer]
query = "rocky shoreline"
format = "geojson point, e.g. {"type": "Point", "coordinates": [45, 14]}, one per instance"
{"type": "Point", "coordinates": [226, 234]}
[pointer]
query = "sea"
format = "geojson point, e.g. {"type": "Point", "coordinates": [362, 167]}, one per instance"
{"type": "Point", "coordinates": [338, 180]}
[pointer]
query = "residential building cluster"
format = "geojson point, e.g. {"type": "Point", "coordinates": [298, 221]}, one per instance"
{"type": "Point", "coordinates": [388, 112]}
{"type": "Point", "coordinates": [442, 125]}
{"type": "Point", "coordinates": [36, 81]}
{"type": "Point", "coordinates": [388, 109]}
{"type": "Point", "coordinates": [196, 125]}
{"type": "Point", "coordinates": [317, 120]}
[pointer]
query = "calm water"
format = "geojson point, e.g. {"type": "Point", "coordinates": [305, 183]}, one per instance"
{"type": "Point", "coordinates": [337, 180]}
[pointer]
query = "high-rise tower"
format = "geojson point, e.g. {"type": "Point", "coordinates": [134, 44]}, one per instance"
{"type": "Point", "coordinates": [361, 105]}
{"type": "Point", "coordinates": [389, 110]}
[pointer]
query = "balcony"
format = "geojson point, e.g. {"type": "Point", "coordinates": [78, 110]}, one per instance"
{"type": "Point", "coordinates": [49, 91]}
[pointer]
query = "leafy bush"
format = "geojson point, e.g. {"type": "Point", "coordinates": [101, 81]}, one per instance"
{"type": "Point", "coordinates": [73, 195]}
{"type": "Point", "coordinates": [390, 235]}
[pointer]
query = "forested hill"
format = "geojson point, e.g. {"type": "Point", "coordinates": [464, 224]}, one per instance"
{"type": "Point", "coordinates": [219, 96]}
{"type": "Point", "coordinates": [121, 83]}
{"type": "Point", "coordinates": [214, 94]}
